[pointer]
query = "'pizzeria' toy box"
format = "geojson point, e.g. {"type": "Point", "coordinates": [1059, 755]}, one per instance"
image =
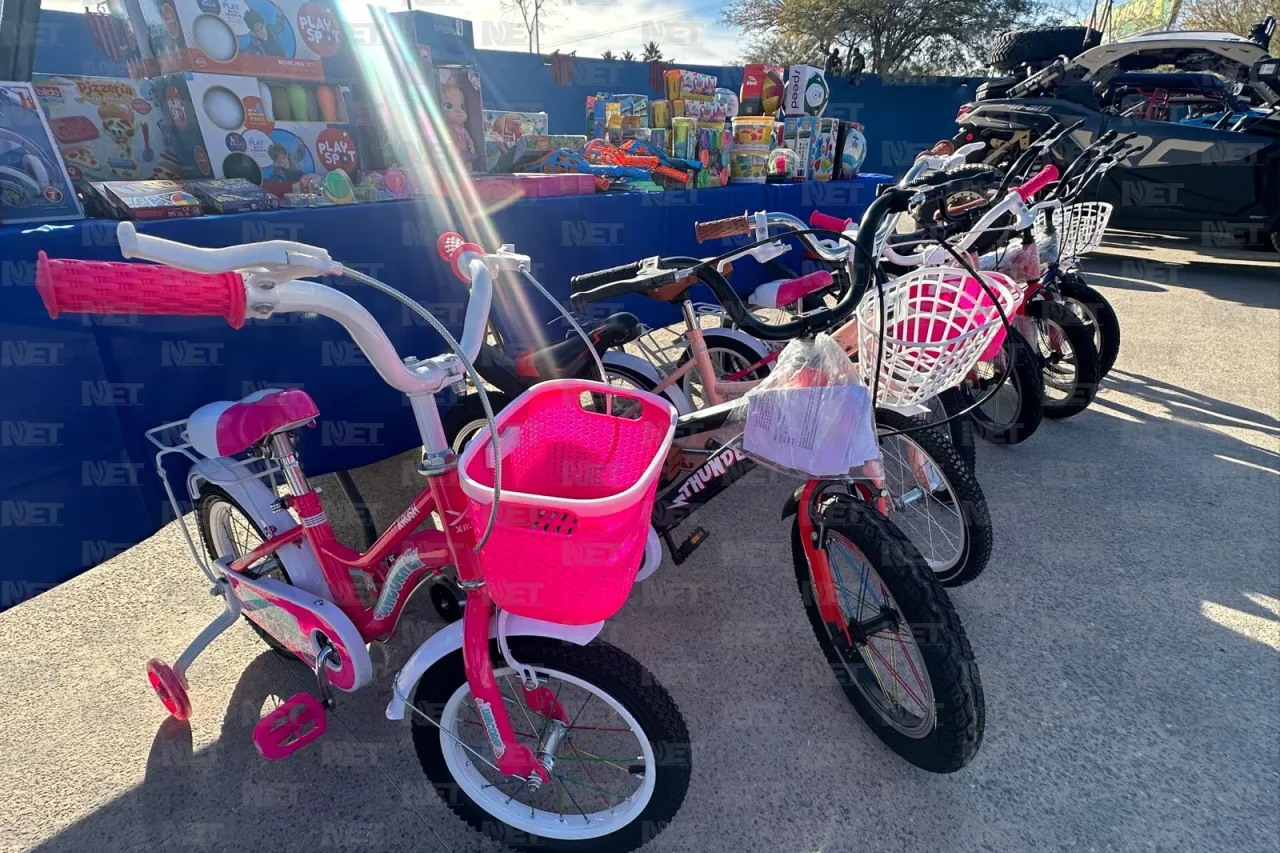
{"type": "Point", "coordinates": [291, 39]}
{"type": "Point", "coordinates": [109, 129]}
{"type": "Point", "coordinates": [277, 134]}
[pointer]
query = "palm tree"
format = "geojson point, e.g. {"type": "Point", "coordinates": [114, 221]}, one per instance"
{"type": "Point", "coordinates": [628, 56]}
{"type": "Point", "coordinates": [652, 52]}
{"type": "Point", "coordinates": [608, 54]}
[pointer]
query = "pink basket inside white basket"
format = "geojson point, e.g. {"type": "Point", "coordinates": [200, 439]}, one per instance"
{"type": "Point", "coordinates": [577, 490]}
{"type": "Point", "coordinates": [938, 323]}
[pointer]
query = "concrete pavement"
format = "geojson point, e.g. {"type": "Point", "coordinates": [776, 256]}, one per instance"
{"type": "Point", "coordinates": [1127, 631]}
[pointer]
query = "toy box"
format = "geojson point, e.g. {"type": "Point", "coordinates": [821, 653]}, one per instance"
{"type": "Point", "coordinates": [449, 39]}
{"type": "Point", "coordinates": [616, 116]}
{"type": "Point", "coordinates": [463, 110]}
{"type": "Point", "coordinates": [232, 195]}
{"type": "Point", "coordinates": [682, 84]}
{"type": "Point", "coordinates": [141, 200]}
{"type": "Point", "coordinates": [800, 134]}
{"type": "Point", "coordinates": [761, 93]}
{"type": "Point", "coordinates": [138, 28]}
{"type": "Point", "coordinates": [507, 135]}
{"type": "Point", "coordinates": [851, 150]}
{"type": "Point", "coordinates": [807, 92]}
{"type": "Point", "coordinates": [34, 184]}
{"type": "Point", "coordinates": [242, 127]}
{"type": "Point", "coordinates": [109, 129]}
{"type": "Point", "coordinates": [289, 39]}
{"type": "Point", "coordinates": [822, 154]}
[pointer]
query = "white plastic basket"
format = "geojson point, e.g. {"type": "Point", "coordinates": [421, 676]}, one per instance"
{"type": "Point", "coordinates": [939, 322]}
{"type": "Point", "coordinates": [1080, 227]}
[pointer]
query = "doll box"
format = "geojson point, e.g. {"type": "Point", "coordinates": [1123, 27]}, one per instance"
{"type": "Point", "coordinates": [34, 185]}
{"type": "Point", "coordinates": [290, 39]}
{"type": "Point", "coordinates": [226, 127]}
{"type": "Point", "coordinates": [463, 111]}
{"type": "Point", "coordinates": [109, 129]}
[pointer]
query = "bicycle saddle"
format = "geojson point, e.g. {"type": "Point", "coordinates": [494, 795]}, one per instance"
{"type": "Point", "coordinates": [571, 357]}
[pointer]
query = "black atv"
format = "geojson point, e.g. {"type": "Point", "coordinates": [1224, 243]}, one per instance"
{"type": "Point", "coordinates": [1210, 162]}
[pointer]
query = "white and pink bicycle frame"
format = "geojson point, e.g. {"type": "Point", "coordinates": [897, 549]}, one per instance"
{"type": "Point", "coordinates": [320, 616]}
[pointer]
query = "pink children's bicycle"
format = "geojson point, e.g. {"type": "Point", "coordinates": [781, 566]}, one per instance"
{"type": "Point", "coordinates": [528, 725]}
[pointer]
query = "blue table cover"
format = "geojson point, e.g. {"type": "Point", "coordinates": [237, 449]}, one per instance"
{"type": "Point", "coordinates": [77, 478]}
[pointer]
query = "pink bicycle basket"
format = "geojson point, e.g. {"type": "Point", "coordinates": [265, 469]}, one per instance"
{"type": "Point", "coordinates": [577, 490]}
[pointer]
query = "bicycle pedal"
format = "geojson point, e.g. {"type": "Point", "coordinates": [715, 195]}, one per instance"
{"type": "Point", "coordinates": [287, 729]}
{"type": "Point", "coordinates": [686, 548]}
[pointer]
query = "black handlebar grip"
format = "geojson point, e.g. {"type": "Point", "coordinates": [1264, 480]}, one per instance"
{"type": "Point", "coordinates": [588, 280]}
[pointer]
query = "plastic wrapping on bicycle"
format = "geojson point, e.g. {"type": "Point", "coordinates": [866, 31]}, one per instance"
{"type": "Point", "coordinates": [717, 229]}
{"type": "Point", "coordinates": [110, 287]}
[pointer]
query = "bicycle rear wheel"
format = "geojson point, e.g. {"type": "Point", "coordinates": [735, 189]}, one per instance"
{"type": "Point", "coordinates": [923, 700]}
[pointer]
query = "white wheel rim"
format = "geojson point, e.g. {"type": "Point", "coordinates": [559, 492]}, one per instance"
{"type": "Point", "coordinates": [460, 748]}
{"type": "Point", "coordinates": [233, 536]}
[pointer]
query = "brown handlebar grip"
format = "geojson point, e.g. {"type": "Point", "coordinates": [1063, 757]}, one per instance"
{"type": "Point", "coordinates": [718, 229]}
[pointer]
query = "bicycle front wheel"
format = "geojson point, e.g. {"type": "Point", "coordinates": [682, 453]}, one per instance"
{"type": "Point", "coordinates": [935, 498]}
{"type": "Point", "coordinates": [923, 699]}
{"type": "Point", "coordinates": [616, 743]}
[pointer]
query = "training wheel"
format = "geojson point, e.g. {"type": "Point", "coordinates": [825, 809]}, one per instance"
{"type": "Point", "coordinates": [170, 687]}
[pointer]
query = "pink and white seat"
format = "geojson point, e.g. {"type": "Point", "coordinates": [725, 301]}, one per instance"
{"type": "Point", "coordinates": [785, 291]}
{"type": "Point", "coordinates": [229, 427]}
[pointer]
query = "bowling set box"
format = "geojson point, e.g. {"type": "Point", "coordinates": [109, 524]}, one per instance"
{"type": "Point", "coordinates": [286, 136]}
{"type": "Point", "coordinates": [286, 39]}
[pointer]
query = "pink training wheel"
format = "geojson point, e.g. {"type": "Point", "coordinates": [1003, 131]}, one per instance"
{"type": "Point", "coordinates": [170, 687]}
{"type": "Point", "coordinates": [451, 247]}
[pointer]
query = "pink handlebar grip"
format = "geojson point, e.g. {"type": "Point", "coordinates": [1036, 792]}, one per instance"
{"type": "Point", "coordinates": [818, 219]}
{"type": "Point", "coordinates": [1047, 175]}
{"type": "Point", "coordinates": [103, 287]}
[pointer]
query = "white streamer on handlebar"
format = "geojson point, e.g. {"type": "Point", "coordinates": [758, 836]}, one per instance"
{"type": "Point", "coordinates": [471, 373]}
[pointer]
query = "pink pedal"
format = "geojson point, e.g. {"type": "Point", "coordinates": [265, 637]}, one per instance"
{"type": "Point", "coordinates": [290, 727]}
{"type": "Point", "coordinates": [170, 687]}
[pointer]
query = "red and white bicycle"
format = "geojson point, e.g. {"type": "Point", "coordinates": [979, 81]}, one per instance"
{"type": "Point", "coordinates": [527, 724]}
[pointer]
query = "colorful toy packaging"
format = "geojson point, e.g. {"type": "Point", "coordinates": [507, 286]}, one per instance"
{"type": "Point", "coordinates": [109, 129]}
{"type": "Point", "coordinates": [822, 153]}
{"type": "Point", "coordinates": [761, 92]}
{"type": "Point", "coordinates": [241, 127]}
{"type": "Point", "coordinates": [615, 117]}
{"type": "Point", "coordinates": [800, 134]}
{"type": "Point", "coordinates": [684, 85]}
{"type": "Point", "coordinates": [507, 135]}
{"type": "Point", "coordinates": [34, 184]}
{"type": "Point", "coordinates": [141, 200]}
{"type": "Point", "coordinates": [463, 110]}
{"type": "Point", "coordinates": [289, 39]}
{"type": "Point", "coordinates": [807, 92]}
{"type": "Point", "coordinates": [232, 195]}
{"type": "Point", "coordinates": [851, 149]}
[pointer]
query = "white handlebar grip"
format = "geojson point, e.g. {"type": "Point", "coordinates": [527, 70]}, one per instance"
{"type": "Point", "coordinates": [128, 237]}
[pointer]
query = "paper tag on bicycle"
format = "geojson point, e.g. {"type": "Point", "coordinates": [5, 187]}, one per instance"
{"type": "Point", "coordinates": [823, 431]}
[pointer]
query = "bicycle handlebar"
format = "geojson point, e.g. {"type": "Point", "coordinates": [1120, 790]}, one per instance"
{"type": "Point", "coordinates": [731, 226]}
{"type": "Point", "coordinates": [104, 287]}
{"type": "Point", "coordinates": [1046, 176]}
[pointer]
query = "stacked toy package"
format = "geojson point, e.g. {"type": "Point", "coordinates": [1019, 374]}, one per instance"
{"type": "Point", "coordinates": [288, 39]}
{"type": "Point", "coordinates": [34, 184]}
{"type": "Point", "coordinates": [273, 134]}
{"type": "Point", "coordinates": [507, 135]}
{"type": "Point", "coordinates": [110, 129]}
